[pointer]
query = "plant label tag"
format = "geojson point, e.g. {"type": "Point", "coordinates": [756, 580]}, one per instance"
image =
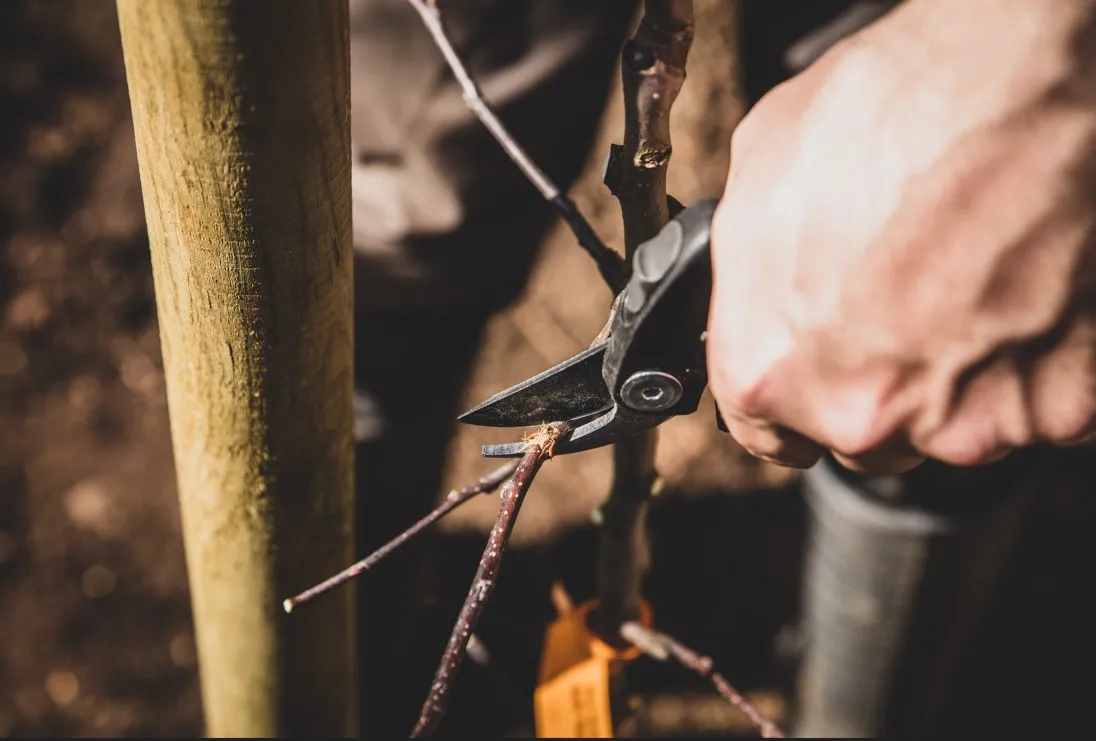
{"type": "Point", "coordinates": [575, 704]}
{"type": "Point", "coordinates": [577, 668]}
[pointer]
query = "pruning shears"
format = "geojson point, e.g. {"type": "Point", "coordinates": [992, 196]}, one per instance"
{"type": "Point", "coordinates": [650, 368]}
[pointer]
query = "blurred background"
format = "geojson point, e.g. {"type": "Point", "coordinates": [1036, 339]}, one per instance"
{"type": "Point", "coordinates": [95, 629]}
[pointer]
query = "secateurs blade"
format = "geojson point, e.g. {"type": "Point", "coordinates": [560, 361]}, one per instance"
{"type": "Point", "coordinates": [651, 368]}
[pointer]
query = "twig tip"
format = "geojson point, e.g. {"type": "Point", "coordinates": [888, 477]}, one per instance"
{"type": "Point", "coordinates": [287, 605]}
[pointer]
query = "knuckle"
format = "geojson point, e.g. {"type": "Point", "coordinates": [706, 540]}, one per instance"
{"type": "Point", "coordinates": [745, 369]}
{"type": "Point", "coordinates": [741, 393]}
{"type": "Point", "coordinates": [760, 445]}
{"type": "Point", "coordinates": [965, 450]}
{"type": "Point", "coordinates": [768, 453]}
{"type": "Point", "coordinates": [853, 443]}
{"type": "Point", "coordinates": [854, 421]}
{"type": "Point", "coordinates": [774, 445]}
{"type": "Point", "coordinates": [1071, 422]}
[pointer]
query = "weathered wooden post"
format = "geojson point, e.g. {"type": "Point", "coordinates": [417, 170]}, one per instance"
{"type": "Point", "coordinates": [241, 112]}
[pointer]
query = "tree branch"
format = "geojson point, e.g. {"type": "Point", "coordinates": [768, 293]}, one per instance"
{"type": "Point", "coordinates": [662, 647]}
{"type": "Point", "coordinates": [538, 449]}
{"type": "Point", "coordinates": [609, 263]}
{"type": "Point", "coordinates": [454, 499]}
{"type": "Point", "coordinates": [653, 70]}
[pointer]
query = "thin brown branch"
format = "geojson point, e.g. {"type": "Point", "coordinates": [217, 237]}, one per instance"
{"type": "Point", "coordinates": [662, 647]}
{"type": "Point", "coordinates": [609, 263]}
{"type": "Point", "coordinates": [454, 499]}
{"type": "Point", "coordinates": [538, 449]}
{"type": "Point", "coordinates": [607, 329]}
{"type": "Point", "coordinates": [623, 552]}
{"type": "Point", "coordinates": [653, 70]}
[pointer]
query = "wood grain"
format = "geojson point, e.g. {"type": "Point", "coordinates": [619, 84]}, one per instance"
{"type": "Point", "coordinates": [241, 113]}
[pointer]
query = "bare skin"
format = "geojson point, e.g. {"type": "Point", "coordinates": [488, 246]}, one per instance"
{"type": "Point", "coordinates": [905, 253]}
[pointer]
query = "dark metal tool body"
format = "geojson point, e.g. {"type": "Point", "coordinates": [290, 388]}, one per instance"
{"type": "Point", "coordinates": [652, 366]}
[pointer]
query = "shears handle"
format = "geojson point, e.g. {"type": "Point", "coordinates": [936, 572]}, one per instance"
{"type": "Point", "coordinates": [655, 357]}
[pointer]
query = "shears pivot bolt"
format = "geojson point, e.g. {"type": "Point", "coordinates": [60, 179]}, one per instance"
{"type": "Point", "coordinates": [650, 391]}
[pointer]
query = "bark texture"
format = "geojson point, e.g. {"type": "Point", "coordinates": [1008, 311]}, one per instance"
{"type": "Point", "coordinates": [652, 72]}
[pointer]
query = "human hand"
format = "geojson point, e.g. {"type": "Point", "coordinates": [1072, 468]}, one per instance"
{"type": "Point", "coordinates": [904, 257]}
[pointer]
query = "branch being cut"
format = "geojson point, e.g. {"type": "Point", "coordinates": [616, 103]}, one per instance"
{"type": "Point", "coordinates": [662, 647]}
{"type": "Point", "coordinates": [454, 499]}
{"type": "Point", "coordinates": [653, 70]}
{"type": "Point", "coordinates": [609, 263]}
{"type": "Point", "coordinates": [538, 449]}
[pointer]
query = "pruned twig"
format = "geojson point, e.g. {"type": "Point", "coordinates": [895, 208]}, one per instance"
{"type": "Point", "coordinates": [653, 70]}
{"type": "Point", "coordinates": [454, 499]}
{"type": "Point", "coordinates": [609, 263]}
{"type": "Point", "coordinates": [538, 448]}
{"type": "Point", "coordinates": [662, 647]}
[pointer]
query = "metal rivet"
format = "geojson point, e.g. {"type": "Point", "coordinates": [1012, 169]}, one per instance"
{"type": "Point", "coordinates": [650, 391]}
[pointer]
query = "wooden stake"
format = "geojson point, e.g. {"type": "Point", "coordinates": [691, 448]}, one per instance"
{"type": "Point", "coordinates": [241, 112]}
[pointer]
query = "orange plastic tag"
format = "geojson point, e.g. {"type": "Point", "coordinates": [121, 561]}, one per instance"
{"type": "Point", "coordinates": [572, 695]}
{"type": "Point", "coordinates": [575, 704]}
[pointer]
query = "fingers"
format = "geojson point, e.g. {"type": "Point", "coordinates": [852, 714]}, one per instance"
{"type": "Point", "coordinates": [771, 443]}
{"type": "Point", "coordinates": [786, 447]}
{"type": "Point", "coordinates": [887, 460]}
{"type": "Point", "coordinates": [1063, 389]}
{"type": "Point", "coordinates": [794, 371]}
{"type": "Point", "coordinates": [862, 303]}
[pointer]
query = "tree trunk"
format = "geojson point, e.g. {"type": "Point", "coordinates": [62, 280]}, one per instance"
{"type": "Point", "coordinates": [241, 112]}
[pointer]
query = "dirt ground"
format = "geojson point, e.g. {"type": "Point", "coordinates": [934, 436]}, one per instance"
{"type": "Point", "coordinates": [95, 630]}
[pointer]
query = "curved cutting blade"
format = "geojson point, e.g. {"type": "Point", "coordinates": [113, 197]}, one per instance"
{"type": "Point", "coordinates": [605, 429]}
{"type": "Point", "coordinates": [567, 391]}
